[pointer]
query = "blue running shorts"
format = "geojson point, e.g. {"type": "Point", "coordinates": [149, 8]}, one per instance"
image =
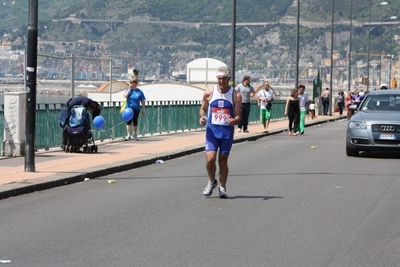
{"type": "Point", "coordinates": [224, 145]}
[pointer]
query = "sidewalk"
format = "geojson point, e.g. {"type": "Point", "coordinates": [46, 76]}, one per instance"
{"type": "Point", "coordinates": [56, 167]}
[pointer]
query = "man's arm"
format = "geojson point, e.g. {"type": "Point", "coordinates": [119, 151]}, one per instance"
{"type": "Point", "coordinates": [253, 92]}
{"type": "Point", "coordinates": [204, 106]}
{"type": "Point", "coordinates": [237, 98]}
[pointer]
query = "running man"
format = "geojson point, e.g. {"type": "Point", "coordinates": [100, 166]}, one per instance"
{"type": "Point", "coordinates": [223, 106]}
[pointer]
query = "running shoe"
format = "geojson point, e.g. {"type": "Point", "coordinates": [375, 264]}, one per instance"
{"type": "Point", "coordinates": [222, 192]}
{"type": "Point", "coordinates": [135, 136]}
{"type": "Point", "coordinates": [209, 188]}
{"type": "Point", "coordinates": [128, 137]}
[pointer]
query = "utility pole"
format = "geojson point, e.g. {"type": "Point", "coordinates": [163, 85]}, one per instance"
{"type": "Point", "coordinates": [297, 45]}
{"type": "Point", "coordinates": [233, 43]}
{"type": "Point", "coordinates": [351, 32]}
{"type": "Point", "coordinates": [331, 78]}
{"type": "Point", "coordinates": [30, 89]}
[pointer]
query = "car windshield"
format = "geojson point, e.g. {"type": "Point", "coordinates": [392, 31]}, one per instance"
{"type": "Point", "coordinates": [385, 102]}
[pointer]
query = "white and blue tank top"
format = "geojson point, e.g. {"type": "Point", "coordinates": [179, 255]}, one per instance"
{"type": "Point", "coordinates": [220, 109]}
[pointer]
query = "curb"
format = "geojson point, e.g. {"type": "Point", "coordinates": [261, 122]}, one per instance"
{"type": "Point", "coordinates": [25, 187]}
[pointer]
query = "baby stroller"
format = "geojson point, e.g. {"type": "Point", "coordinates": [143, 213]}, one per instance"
{"type": "Point", "coordinates": [75, 121]}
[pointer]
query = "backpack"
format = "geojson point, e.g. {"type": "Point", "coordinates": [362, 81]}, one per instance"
{"type": "Point", "coordinates": [78, 116]}
{"type": "Point", "coordinates": [63, 117]}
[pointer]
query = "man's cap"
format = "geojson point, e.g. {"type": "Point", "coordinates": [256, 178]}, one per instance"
{"type": "Point", "coordinates": [223, 71]}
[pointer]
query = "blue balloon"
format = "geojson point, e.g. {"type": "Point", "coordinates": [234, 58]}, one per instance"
{"type": "Point", "coordinates": [127, 114]}
{"type": "Point", "coordinates": [99, 122]}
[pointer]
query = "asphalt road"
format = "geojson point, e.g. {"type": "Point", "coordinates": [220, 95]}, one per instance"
{"type": "Point", "coordinates": [290, 205]}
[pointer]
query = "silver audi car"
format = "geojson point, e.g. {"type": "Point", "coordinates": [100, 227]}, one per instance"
{"type": "Point", "coordinates": [375, 124]}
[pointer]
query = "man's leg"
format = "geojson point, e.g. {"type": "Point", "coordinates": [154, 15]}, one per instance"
{"type": "Point", "coordinates": [211, 168]}
{"type": "Point", "coordinates": [267, 118]}
{"type": "Point", "coordinates": [302, 124]}
{"type": "Point", "coordinates": [223, 169]}
{"type": "Point", "coordinates": [210, 165]}
{"type": "Point", "coordinates": [211, 152]}
{"type": "Point", "coordinates": [225, 150]}
{"type": "Point", "coordinates": [326, 107]}
{"type": "Point", "coordinates": [245, 115]}
{"type": "Point", "coordinates": [240, 124]}
{"type": "Point", "coordinates": [262, 117]}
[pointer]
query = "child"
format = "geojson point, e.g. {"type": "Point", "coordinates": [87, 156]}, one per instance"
{"type": "Point", "coordinates": [311, 107]}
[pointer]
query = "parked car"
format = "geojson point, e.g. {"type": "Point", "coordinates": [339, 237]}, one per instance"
{"type": "Point", "coordinates": [375, 124]}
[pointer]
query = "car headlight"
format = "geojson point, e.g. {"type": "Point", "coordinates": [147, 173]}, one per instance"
{"type": "Point", "coordinates": [357, 125]}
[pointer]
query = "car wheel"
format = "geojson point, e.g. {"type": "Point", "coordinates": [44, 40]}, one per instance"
{"type": "Point", "coordinates": [351, 152]}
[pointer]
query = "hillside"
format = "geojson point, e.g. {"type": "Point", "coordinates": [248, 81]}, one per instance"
{"type": "Point", "coordinates": [148, 45]}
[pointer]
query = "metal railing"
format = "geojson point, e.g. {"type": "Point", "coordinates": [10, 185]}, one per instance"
{"type": "Point", "coordinates": [1, 126]}
{"type": "Point", "coordinates": [161, 117]}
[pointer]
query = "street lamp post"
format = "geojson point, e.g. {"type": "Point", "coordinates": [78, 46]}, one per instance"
{"type": "Point", "coordinates": [31, 73]}
{"type": "Point", "coordinates": [233, 42]}
{"type": "Point", "coordinates": [380, 52]}
{"type": "Point", "coordinates": [390, 63]}
{"type": "Point", "coordinates": [369, 37]}
{"type": "Point", "coordinates": [351, 31]}
{"type": "Point", "coordinates": [297, 44]}
{"type": "Point", "coordinates": [331, 76]}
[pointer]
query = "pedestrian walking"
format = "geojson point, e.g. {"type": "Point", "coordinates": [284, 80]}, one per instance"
{"type": "Point", "coordinates": [357, 98]}
{"type": "Point", "coordinates": [311, 108]}
{"type": "Point", "coordinates": [349, 102]}
{"type": "Point", "coordinates": [325, 101]}
{"type": "Point", "coordinates": [292, 111]}
{"type": "Point", "coordinates": [135, 99]}
{"type": "Point", "coordinates": [340, 102]}
{"type": "Point", "coordinates": [264, 99]}
{"type": "Point", "coordinates": [246, 90]}
{"type": "Point", "coordinates": [303, 102]}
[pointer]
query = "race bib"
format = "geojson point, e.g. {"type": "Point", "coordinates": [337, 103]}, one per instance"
{"type": "Point", "coordinates": [220, 116]}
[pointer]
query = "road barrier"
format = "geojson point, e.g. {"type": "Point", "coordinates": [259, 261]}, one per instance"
{"type": "Point", "coordinates": [161, 117]}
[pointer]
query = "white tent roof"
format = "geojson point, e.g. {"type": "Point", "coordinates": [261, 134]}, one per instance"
{"type": "Point", "coordinates": [206, 63]}
{"type": "Point", "coordinates": [156, 92]}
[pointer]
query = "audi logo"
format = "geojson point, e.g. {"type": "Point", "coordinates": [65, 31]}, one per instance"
{"type": "Point", "coordinates": [387, 128]}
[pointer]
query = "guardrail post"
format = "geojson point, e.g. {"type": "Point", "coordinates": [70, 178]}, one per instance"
{"type": "Point", "coordinates": [14, 124]}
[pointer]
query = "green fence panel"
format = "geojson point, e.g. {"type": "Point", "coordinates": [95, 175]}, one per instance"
{"type": "Point", "coordinates": [1, 127]}
{"type": "Point", "coordinates": [48, 131]}
{"type": "Point", "coordinates": [114, 126]}
{"type": "Point", "coordinates": [161, 117]}
{"type": "Point", "coordinates": [277, 111]}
